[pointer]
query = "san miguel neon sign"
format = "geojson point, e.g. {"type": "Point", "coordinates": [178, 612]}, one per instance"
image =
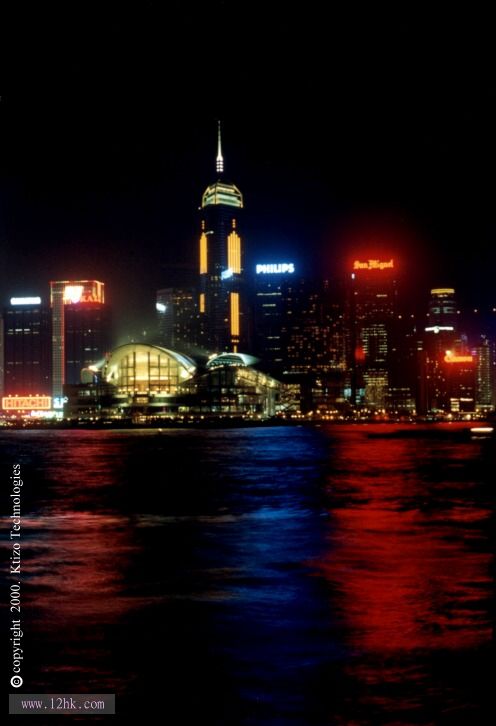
{"type": "Point", "coordinates": [373, 265]}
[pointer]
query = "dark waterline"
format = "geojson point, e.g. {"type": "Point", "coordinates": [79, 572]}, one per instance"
{"type": "Point", "coordinates": [266, 576]}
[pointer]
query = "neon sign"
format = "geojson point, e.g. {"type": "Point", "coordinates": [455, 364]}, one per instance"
{"type": "Point", "coordinates": [58, 401]}
{"type": "Point", "coordinates": [25, 300]}
{"type": "Point", "coordinates": [373, 265]}
{"type": "Point", "coordinates": [439, 328]}
{"type": "Point", "coordinates": [452, 358]}
{"type": "Point", "coordinates": [443, 291]}
{"type": "Point", "coordinates": [75, 292]}
{"type": "Point", "coordinates": [26, 403]}
{"type": "Point", "coordinates": [281, 268]}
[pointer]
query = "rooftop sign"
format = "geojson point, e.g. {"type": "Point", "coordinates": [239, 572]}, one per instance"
{"type": "Point", "coordinates": [279, 268]}
{"type": "Point", "coordinates": [25, 300]}
{"type": "Point", "coordinates": [373, 264]}
{"type": "Point", "coordinates": [452, 358]}
{"type": "Point", "coordinates": [26, 403]}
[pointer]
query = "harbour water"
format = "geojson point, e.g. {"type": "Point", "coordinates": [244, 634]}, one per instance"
{"type": "Point", "coordinates": [264, 576]}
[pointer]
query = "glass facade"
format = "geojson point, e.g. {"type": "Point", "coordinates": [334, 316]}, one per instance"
{"type": "Point", "coordinates": [146, 369]}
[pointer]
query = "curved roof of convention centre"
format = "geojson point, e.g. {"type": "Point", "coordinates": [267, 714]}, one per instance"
{"type": "Point", "coordinates": [240, 360]}
{"type": "Point", "coordinates": [184, 361]}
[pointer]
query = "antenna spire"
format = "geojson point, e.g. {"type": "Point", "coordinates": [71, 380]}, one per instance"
{"type": "Point", "coordinates": [220, 159]}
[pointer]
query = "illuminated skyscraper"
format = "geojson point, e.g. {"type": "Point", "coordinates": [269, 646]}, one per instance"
{"type": "Point", "coordinates": [311, 341]}
{"type": "Point", "coordinates": [440, 335]}
{"type": "Point", "coordinates": [442, 310]}
{"type": "Point", "coordinates": [81, 329]}
{"type": "Point", "coordinates": [27, 347]}
{"type": "Point", "coordinates": [460, 374]}
{"type": "Point", "coordinates": [485, 374]}
{"type": "Point", "coordinates": [371, 310]}
{"type": "Point", "coordinates": [221, 301]}
{"type": "Point", "coordinates": [269, 313]}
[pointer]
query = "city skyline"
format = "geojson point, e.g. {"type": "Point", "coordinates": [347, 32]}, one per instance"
{"type": "Point", "coordinates": [334, 334]}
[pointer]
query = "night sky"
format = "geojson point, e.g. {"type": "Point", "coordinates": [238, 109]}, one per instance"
{"type": "Point", "coordinates": [343, 130]}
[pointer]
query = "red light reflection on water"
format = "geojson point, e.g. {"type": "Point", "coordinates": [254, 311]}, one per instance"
{"type": "Point", "coordinates": [401, 555]}
{"type": "Point", "coordinates": [77, 555]}
{"type": "Point", "coordinates": [78, 562]}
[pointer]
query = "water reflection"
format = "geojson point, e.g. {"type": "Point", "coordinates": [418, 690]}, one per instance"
{"type": "Point", "coordinates": [408, 564]}
{"type": "Point", "coordinates": [259, 577]}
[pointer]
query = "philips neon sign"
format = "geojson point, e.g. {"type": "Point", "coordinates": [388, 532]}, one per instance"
{"type": "Point", "coordinates": [280, 268]}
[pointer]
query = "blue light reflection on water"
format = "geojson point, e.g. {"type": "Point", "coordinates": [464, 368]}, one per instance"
{"type": "Point", "coordinates": [243, 559]}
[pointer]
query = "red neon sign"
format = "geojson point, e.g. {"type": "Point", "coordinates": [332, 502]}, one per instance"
{"type": "Point", "coordinates": [75, 292]}
{"type": "Point", "coordinates": [26, 403]}
{"type": "Point", "coordinates": [373, 264]}
{"type": "Point", "coordinates": [451, 358]}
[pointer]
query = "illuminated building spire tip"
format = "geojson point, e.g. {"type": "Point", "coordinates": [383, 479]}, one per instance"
{"type": "Point", "coordinates": [220, 159]}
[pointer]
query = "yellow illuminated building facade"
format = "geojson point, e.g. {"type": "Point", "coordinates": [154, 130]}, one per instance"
{"type": "Point", "coordinates": [221, 301]}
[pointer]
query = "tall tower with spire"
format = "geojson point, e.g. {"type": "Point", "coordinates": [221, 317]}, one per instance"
{"type": "Point", "coordinates": [221, 301]}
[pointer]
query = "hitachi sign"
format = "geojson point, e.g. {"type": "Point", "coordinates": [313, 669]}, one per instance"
{"type": "Point", "coordinates": [373, 265]}
{"type": "Point", "coordinates": [278, 269]}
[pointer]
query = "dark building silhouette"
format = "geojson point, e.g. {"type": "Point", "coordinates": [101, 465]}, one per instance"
{"type": "Point", "coordinates": [177, 316]}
